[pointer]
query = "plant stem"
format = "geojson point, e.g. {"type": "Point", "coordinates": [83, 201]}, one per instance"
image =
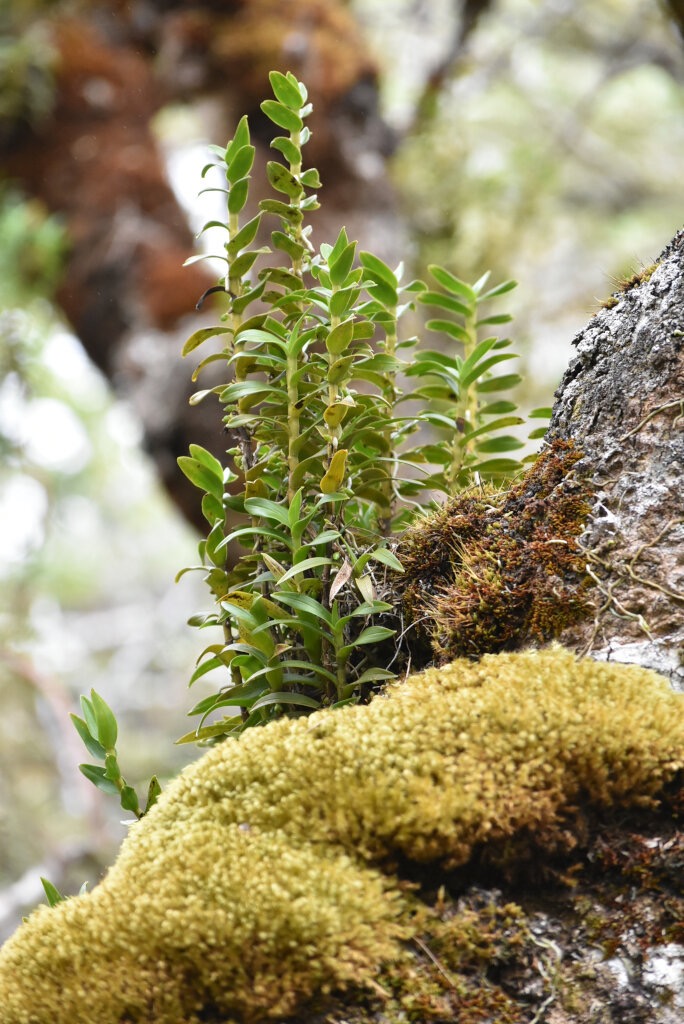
{"type": "Point", "coordinates": [390, 393]}
{"type": "Point", "coordinates": [466, 411]}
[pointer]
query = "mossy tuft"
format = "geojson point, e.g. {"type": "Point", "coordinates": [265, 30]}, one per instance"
{"type": "Point", "coordinates": [267, 877]}
{"type": "Point", "coordinates": [495, 570]}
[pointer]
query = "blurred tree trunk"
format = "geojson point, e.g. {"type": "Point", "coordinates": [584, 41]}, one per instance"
{"type": "Point", "coordinates": [622, 403]}
{"type": "Point", "coordinates": [95, 161]}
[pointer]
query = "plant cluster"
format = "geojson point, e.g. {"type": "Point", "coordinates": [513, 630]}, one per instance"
{"type": "Point", "coordinates": [327, 410]}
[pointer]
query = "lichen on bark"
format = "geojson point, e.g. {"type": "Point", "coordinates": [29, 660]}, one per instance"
{"type": "Point", "coordinates": [622, 402]}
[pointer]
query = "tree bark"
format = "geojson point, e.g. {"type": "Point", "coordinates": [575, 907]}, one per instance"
{"type": "Point", "coordinates": [621, 402]}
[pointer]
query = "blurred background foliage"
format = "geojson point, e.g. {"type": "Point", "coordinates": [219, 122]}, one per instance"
{"type": "Point", "coordinates": [540, 138]}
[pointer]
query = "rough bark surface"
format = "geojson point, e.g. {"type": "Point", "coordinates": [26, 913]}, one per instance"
{"type": "Point", "coordinates": [622, 403]}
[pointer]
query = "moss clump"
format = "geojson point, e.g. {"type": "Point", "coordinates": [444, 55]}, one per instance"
{"type": "Point", "coordinates": [492, 571]}
{"type": "Point", "coordinates": [626, 284]}
{"type": "Point", "coordinates": [451, 970]}
{"type": "Point", "coordinates": [267, 874]}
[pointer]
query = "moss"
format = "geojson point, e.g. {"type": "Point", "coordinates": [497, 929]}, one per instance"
{"type": "Point", "coordinates": [267, 876]}
{"type": "Point", "coordinates": [492, 571]}
{"type": "Point", "coordinates": [626, 284]}
{"type": "Point", "coordinates": [452, 970]}
{"type": "Point", "coordinates": [638, 277]}
{"type": "Point", "coordinates": [649, 901]}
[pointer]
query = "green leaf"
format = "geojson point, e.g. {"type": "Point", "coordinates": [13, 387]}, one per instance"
{"type": "Point", "coordinates": [242, 695]}
{"type": "Point", "coordinates": [374, 675]}
{"type": "Point", "coordinates": [93, 746]}
{"type": "Point", "coordinates": [304, 603]}
{"type": "Point", "coordinates": [199, 337]}
{"type": "Point", "coordinates": [225, 727]}
{"type": "Point", "coordinates": [153, 794]}
{"type": "Point", "coordinates": [283, 116]}
{"type": "Point", "coordinates": [444, 302]}
{"type": "Point", "coordinates": [453, 284]}
{"type": "Point", "coordinates": [449, 327]}
{"type": "Point", "coordinates": [240, 304]}
{"type": "Point", "coordinates": [312, 669]}
{"type": "Point", "coordinates": [285, 697]}
{"type": "Point", "coordinates": [383, 293]}
{"type": "Point", "coordinates": [244, 263]}
{"type": "Point", "coordinates": [542, 413]}
{"type": "Point", "coordinates": [340, 337]}
{"type": "Point", "coordinates": [311, 178]}
{"type": "Point", "coordinates": [287, 148]}
{"type": "Point", "coordinates": [107, 728]}
{"type": "Point", "coordinates": [240, 139]}
{"type": "Point", "coordinates": [481, 282]}
{"type": "Point", "coordinates": [199, 396]}
{"type": "Point", "coordinates": [304, 566]}
{"type": "Point", "coordinates": [207, 666]}
{"type": "Point", "coordinates": [282, 180]}
{"type": "Point", "coordinates": [95, 774]}
{"type": "Point", "coordinates": [112, 770]}
{"type": "Point", "coordinates": [500, 289]}
{"type": "Point", "coordinates": [496, 467]}
{"type": "Point", "coordinates": [507, 443]}
{"type": "Point", "coordinates": [240, 164]}
{"type": "Point", "coordinates": [89, 715]}
{"type": "Point", "coordinates": [497, 424]}
{"type": "Point", "coordinates": [481, 368]}
{"type": "Point", "coordinates": [212, 508]}
{"type": "Point", "coordinates": [129, 800]}
{"type": "Point", "coordinates": [52, 893]}
{"type": "Point", "coordinates": [243, 388]}
{"type": "Point", "coordinates": [323, 538]}
{"type": "Point", "coordinates": [496, 318]}
{"type": "Point", "coordinates": [253, 531]}
{"type": "Point", "coordinates": [191, 260]}
{"type": "Point", "coordinates": [339, 370]}
{"type": "Point", "coordinates": [279, 276]}
{"type": "Point", "coordinates": [373, 635]}
{"type": "Point", "coordinates": [268, 509]}
{"type": "Point", "coordinates": [480, 350]}
{"type": "Point", "coordinates": [332, 252]}
{"type": "Point", "coordinates": [376, 270]}
{"type": "Point", "coordinates": [200, 476]}
{"type": "Point", "coordinates": [343, 300]}
{"type": "Point", "coordinates": [245, 236]}
{"type": "Point", "coordinates": [498, 383]}
{"type": "Point", "coordinates": [286, 244]}
{"type": "Point", "coordinates": [208, 460]}
{"type": "Point", "coordinates": [211, 224]}
{"type": "Point", "coordinates": [285, 90]}
{"type": "Point", "coordinates": [388, 558]}
{"type": "Point", "coordinates": [237, 197]}
{"type": "Point", "coordinates": [371, 608]}
{"type": "Point", "coordinates": [280, 209]}
{"type": "Point", "coordinates": [498, 408]}
{"type": "Point", "coordinates": [339, 269]}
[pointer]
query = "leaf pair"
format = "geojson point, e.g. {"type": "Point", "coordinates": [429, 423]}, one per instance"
{"type": "Point", "coordinates": [99, 730]}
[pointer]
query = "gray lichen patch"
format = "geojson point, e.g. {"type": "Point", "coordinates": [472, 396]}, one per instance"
{"type": "Point", "coordinates": [622, 403]}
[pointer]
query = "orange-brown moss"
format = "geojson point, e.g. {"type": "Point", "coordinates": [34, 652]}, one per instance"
{"type": "Point", "coordinates": [491, 571]}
